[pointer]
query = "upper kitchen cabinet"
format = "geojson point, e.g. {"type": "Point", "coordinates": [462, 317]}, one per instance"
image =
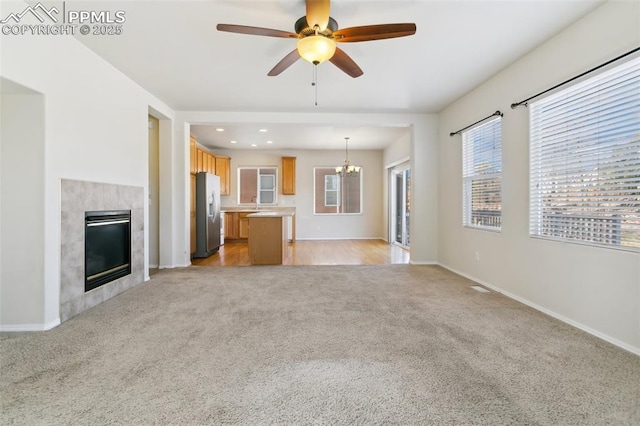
{"type": "Point", "coordinates": [200, 160]}
{"type": "Point", "coordinates": [203, 161]}
{"type": "Point", "coordinates": [223, 167]}
{"type": "Point", "coordinates": [193, 152]}
{"type": "Point", "coordinates": [288, 175]}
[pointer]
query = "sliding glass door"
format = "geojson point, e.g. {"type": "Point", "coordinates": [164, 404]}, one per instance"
{"type": "Point", "coordinates": [400, 205]}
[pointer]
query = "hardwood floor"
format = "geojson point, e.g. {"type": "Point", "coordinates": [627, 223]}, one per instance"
{"type": "Point", "coordinates": [330, 252]}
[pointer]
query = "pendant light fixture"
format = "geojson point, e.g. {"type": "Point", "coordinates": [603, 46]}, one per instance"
{"type": "Point", "coordinates": [347, 168]}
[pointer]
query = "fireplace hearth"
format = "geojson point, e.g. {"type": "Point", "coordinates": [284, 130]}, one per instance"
{"type": "Point", "coordinates": [107, 247]}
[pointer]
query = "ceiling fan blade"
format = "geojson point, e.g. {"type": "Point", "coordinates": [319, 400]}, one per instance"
{"type": "Point", "coordinates": [318, 13]}
{"type": "Point", "coordinates": [345, 63]}
{"type": "Point", "coordinates": [374, 32]}
{"type": "Point", "coordinates": [285, 63]}
{"type": "Point", "coordinates": [244, 29]}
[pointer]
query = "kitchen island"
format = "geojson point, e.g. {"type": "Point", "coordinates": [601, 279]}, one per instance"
{"type": "Point", "coordinates": [268, 237]}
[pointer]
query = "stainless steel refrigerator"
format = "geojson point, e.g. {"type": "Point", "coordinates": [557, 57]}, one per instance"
{"type": "Point", "coordinates": [207, 214]}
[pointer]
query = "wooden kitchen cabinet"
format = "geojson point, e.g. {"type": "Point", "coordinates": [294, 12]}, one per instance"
{"type": "Point", "coordinates": [243, 225]}
{"type": "Point", "coordinates": [223, 166]}
{"type": "Point", "coordinates": [211, 161]}
{"type": "Point", "coordinates": [192, 155]}
{"type": "Point", "coordinates": [199, 160]}
{"type": "Point", "coordinates": [268, 242]}
{"type": "Point", "coordinates": [288, 175]}
{"type": "Point", "coordinates": [231, 226]}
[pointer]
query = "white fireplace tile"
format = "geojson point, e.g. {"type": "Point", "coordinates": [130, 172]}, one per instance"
{"type": "Point", "coordinates": [72, 227]}
{"type": "Point", "coordinates": [137, 220]}
{"type": "Point", "coordinates": [72, 254]}
{"type": "Point", "coordinates": [76, 198]}
{"type": "Point", "coordinates": [72, 192]}
{"type": "Point", "coordinates": [71, 283]}
{"type": "Point", "coordinates": [71, 308]}
{"type": "Point", "coordinates": [94, 297]}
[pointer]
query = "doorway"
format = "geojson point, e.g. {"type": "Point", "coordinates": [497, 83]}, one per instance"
{"type": "Point", "coordinates": [400, 205]}
{"type": "Point", "coordinates": [154, 192]}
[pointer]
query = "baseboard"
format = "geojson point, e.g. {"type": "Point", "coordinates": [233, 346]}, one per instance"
{"type": "Point", "coordinates": [419, 262]}
{"type": "Point", "coordinates": [30, 327]}
{"type": "Point", "coordinates": [573, 323]}
{"type": "Point", "coordinates": [339, 238]}
{"type": "Point", "coordinates": [174, 266]}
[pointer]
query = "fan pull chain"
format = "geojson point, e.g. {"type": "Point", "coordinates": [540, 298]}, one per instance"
{"type": "Point", "coordinates": [314, 83]}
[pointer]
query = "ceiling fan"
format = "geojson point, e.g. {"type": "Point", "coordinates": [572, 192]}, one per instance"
{"type": "Point", "coordinates": [317, 34]}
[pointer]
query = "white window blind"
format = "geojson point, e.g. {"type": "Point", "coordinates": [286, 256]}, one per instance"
{"type": "Point", "coordinates": [482, 175]}
{"type": "Point", "coordinates": [585, 161]}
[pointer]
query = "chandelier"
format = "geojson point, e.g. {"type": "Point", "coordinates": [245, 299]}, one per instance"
{"type": "Point", "coordinates": [347, 168]}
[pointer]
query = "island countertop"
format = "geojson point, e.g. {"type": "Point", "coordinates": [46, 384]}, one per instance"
{"type": "Point", "coordinates": [269, 213]}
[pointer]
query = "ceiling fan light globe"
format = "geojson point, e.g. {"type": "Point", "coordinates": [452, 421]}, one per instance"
{"type": "Point", "coordinates": [316, 49]}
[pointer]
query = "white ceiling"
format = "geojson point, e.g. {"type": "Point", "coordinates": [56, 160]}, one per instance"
{"type": "Point", "coordinates": [297, 136]}
{"type": "Point", "coordinates": [172, 49]}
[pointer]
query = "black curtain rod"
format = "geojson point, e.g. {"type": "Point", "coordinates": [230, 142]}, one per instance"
{"type": "Point", "coordinates": [524, 102]}
{"type": "Point", "coordinates": [479, 121]}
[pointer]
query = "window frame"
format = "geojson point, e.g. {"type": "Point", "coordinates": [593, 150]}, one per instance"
{"type": "Point", "coordinates": [258, 185]}
{"type": "Point", "coordinates": [471, 175]}
{"type": "Point", "coordinates": [340, 192]}
{"type": "Point", "coordinates": [568, 217]}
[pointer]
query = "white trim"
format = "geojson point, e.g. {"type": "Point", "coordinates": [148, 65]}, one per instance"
{"type": "Point", "coordinates": [605, 337]}
{"type": "Point", "coordinates": [420, 262]}
{"type": "Point", "coordinates": [338, 238]}
{"type": "Point", "coordinates": [176, 265]}
{"type": "Point", "coordinates": [30, 327]}
{"type": "Point", "coordinates": [398, 162]}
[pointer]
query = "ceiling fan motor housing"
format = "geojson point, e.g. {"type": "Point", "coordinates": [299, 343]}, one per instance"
{"type": "Point", "coordinates": [304, 30]}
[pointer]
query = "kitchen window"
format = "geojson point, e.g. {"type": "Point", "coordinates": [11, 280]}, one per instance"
{"type": "Point", "coordinates": [482, 176]}
{"type": "Point", "coordinates": [585, 161]}
{"type": "Point", "coordinates": [257, 185]}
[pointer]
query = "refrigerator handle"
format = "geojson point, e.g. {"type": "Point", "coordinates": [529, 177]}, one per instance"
{"type": "Point", "coordinates": [213, 209]}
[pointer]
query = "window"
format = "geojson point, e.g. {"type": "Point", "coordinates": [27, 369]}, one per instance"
{"type": "Point", "coordinates": [585, 161]}
{"type": "Point", "coordinates": [482, 176]}
{"type": "Point", "coordinates": [257, 185]}
{"type": "Point", "coordinates": [335, 194]}
{"type": "Point", "coordinates": [331, 191]}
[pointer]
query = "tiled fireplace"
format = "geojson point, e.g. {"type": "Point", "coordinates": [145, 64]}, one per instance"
{"type": "Point", "coordinates": [78, 198]}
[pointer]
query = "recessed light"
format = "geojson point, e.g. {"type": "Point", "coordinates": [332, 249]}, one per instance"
{"type": "Point", "coordinates": [233, 141]}
{"type": "Point", "coordinates": [269, 141]}
{"type": "Point", "coordinates": [253, 144]}
{"type": "Point", "coordinates": [219, 129]}
{"type": "Point", "coordinates": [263, 130]}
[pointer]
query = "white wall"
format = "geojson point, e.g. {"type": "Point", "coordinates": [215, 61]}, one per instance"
{"type": "Point", "coordinates": [95, 130]}
{"type": "Point", "coordinates": [597, 289]}
{"type": "Point", "coordinates": [22, 219]}
{"type": "Point", "coordinates": [309, 226]}
{"type": "Point", "coordinates": [399, 151]}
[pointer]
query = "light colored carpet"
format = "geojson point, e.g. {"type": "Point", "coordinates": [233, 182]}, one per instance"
{"type": "Point", "coordinates": [388, 344]}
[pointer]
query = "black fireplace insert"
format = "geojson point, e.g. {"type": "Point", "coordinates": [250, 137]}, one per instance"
{"type": "Point", "coordinates": [107, 247]}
